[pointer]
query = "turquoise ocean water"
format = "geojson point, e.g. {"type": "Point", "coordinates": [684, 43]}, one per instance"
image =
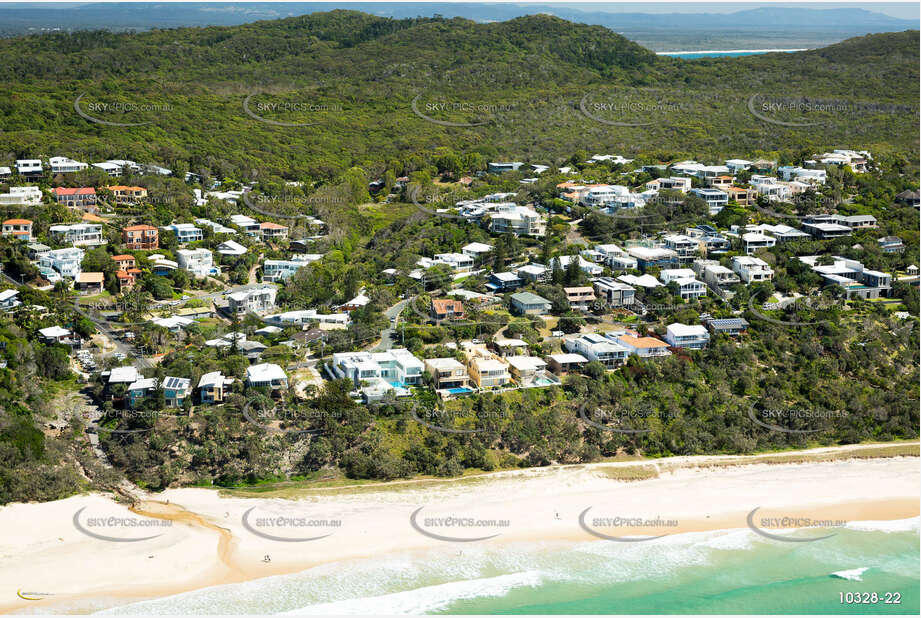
{"type": "Point", "coordinates": [734, 571]}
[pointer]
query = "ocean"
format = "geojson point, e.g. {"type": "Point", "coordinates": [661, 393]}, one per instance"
{"type": "Point", "coordinates": [686, 55]}
{"type": "Point", "coordinates": [721, 572]}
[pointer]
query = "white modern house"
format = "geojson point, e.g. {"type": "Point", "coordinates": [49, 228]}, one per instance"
{"type": "Point", "coordinates": [29, 168]}
{"type": "Point", "coordinates": [21, 196]}
{"type": "Point", "coordinates": [268, 375]}
{"type": "Point", "coordinates": [199, 261]}
{"type": "Point", "coordinates": [185, 232]}
{"type": "Point", "coordinates": [597, 348]}
{"type": "Point", "coordinates": [64, 165]}
{"type": "Point", "coordinates": [754, 241]}
{"type": "Point", "coordinates": [256, 300]}
{"type": "Point", "coordinates": [281, 270]}
{"type": "Point", "coordinates": [78, 234]}
{"type": "Point", "coordinates": [66, 262]}
{"type": "Point", "coordinates": [716, 199]}
{"type": "Point", "coordinates": [693, 336]}
{"type": "Point", "coordinates": [752, 269]}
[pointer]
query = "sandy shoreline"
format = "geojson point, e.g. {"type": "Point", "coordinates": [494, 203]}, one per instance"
{"type": "Point", "coordinates": [50, 548]}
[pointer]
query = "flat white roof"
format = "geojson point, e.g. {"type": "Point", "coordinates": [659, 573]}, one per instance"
{"type": "Point", "coordinates": [265, 372]}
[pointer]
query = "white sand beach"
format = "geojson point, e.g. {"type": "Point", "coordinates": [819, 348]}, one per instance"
{"type": "Point", "coordinates": [45, 555]}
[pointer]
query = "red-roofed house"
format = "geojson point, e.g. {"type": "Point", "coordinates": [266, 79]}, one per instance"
{"type": "Point", "coordinates": [447, 309]}
{"type": "Point", "coordinates": [83, 198]}
{"type": "Point", "coordinates": [273, 230]}
{"type": "Point", "coordinates": [141, 237]}
{"type": "Point", "coordinates": [124, 262]}
{"type": "Point", "coordinates": [21, 229]}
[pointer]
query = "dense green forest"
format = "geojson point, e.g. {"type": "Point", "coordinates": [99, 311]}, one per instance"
{"type": "Point", "coordinates": [349, 82]}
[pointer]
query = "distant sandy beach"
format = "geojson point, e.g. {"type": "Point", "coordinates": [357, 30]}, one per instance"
{"type": "Point", "coordinates": [52, 553]}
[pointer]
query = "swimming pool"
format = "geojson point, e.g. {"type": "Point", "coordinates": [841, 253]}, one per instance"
{"type": "Point", "coordinates": [460, 390]}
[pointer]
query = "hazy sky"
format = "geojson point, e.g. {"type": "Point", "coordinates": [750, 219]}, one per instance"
{"type": "Point", "coordinates": [904, 10]}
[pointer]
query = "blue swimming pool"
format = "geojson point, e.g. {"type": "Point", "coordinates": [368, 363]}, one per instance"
{"type": "Point", "coordinates": [460, 390]}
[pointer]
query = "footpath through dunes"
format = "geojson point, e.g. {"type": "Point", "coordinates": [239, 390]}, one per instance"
{"type": "Point", "coordinates": [157, 509]}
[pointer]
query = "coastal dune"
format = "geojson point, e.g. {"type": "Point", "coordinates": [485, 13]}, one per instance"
{"type": "Point", "coordinates": [88, 552]}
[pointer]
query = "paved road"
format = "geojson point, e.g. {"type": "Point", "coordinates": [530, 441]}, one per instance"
{"type": "Point", "coordinates": [386, 341]}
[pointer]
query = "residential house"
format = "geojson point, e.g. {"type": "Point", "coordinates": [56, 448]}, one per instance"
{"type": "Point", "coordinates": [89, 283]}
{"type": "Point", "coordinates": [185, 232]}
{"type": "Point", "coordinates": [616, 258]}
{"type": "Point", "coordinates": [824, 227]}
{"type": "Point", "coordinates": [36, 249]}
{"type": "Point", "coordinates": [593, 347]}
{"type": "Point", "coordinates": [643, 347]}
{"type": "Point", "coordinates": [446, 309]}
{"type": "Point", "coordinates": [580, 298]}
{"type": "Point", "coordinates": [534, 272]}
{"type": "Point", "coordinates": [126, 196]}
{"type": "Point", "coordinates": [212, 387]}
{"type": "Point", "coordinates": [502, 167]}
{"type": "Point", "coordinates": [614, 292]}
{"type": "Point", "coordinates": [715, 198]}
{"type": "Point", "coordinates": [752, 269]}
{"type": "Point", "coordinates": [78, 234]}
{"type": "Point", "coordinates": [715, 274]}
{"type": "Point", "coordinates": [592, 270]}
{"type": "Point", "coordinates": [859, 222]}
{"type": "Point", "coordinates": [737, 165]}
{"type": "Point", "coordinates": [256, 300]}
{"type": "Point", "coordinates": [175, 390]}
{"type": "Point", "coordinates": [753, 242]}
{"type": "Point", "coordinates": [509, 347]}
{"type": "Point", "coordinates": [689, 287]}
{"type": "Point", "coordinates": [909, 198]}
{"type": "Point", "coordinates": [517, 220]}
{"type": "Point", "coordinates": [727, 326]}
{"type": "Point", "coordinates": [8, 299]}
{"type": "Point", "coordinates": [672, 183]}
{"type": "Point", "coordinates": [21, 196]}
{"type": "Point", "coordinates": [30, 168]}
{"type": "Point", "coordinates": [744, 197]}
{"type": "Point", "coordinates": [447, 373]}
{"type": "Point", "coordinates": [66, 262]}
{"type": "Point", "coordinates": [64, 165]}
{"type": "Point", "coordinates": [770, 188]}
{"type": "Point", "coordinates": [526, 303]}
{"type": "Point", "coordinates": [266, 375]}
{"type": "Point", "coordinates": [273, 231]}
{"type": "Point", "coordinates": [501, 282]}
{"type": "Point", "coordinates": [476, 250]}
{"type": "Point", "coordinates": [230, 248]}
{"type": "Point", "coordinates": [852, 276]}
{"type": "Point", "coordinates": [652, 256]}
{"type": "Point", "coordinates": [249, 225]}
{"type": "Point", "coordinates": [888, 244]}
{"type": "Point", "coordinates": [530, 372]}
{"type": "Point", "coordinates": [20, 229]}
{"type": "Point", "coordinates": [282, 270]}
{"type": "Point", "coordinates": [83, 198]}
{"type": "Point", "coordinates": [782, 233]}
{"type": "Point", "coordinates": [124, 262]}
{"type": "Point", "coordinates": [693, 336]}
{"type": "Point", "coordinates": [141, 237]}
{"type": "Point", "coordinates": [562, 364]}
{"type": "Point", "coordinates": [56, 334]}
{"type": "Point", "coordinates": [686, 247]}
{"type": "Point", "coordinates": [487, 370]}
{"type": "Point", "coordinates": [199, 261]}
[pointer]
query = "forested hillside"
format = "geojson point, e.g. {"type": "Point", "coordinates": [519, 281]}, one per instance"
{"type": "Point", "coordinates": [534, 88]}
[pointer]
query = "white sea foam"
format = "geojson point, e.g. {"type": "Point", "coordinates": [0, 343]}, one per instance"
{"type": "Point", "coordinates": [424, 600]}
{"type": "Point", "coordinates": [851, 574]}
{"type": "Point", "coordinates": [894, 525]}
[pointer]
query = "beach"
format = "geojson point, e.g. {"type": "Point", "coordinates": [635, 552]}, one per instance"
{"type": "Point", "coordinates": [90, 553]}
